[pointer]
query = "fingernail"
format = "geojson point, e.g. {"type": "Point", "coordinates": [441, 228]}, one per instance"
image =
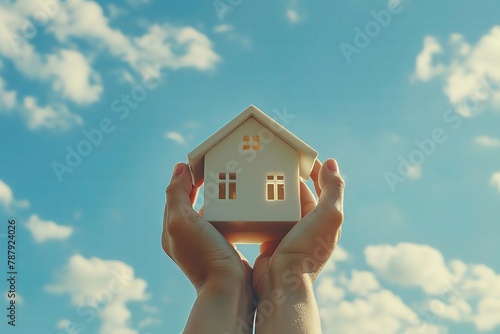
{"type": "Point", "coordinates": [332, 165]}
{"type": "Point", "coordinates": [178, 170]}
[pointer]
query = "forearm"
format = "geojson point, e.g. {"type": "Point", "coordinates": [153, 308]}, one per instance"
{"type": "Point", "coordinates": [288, 309]}
{"type": "Point", "coordinates": [222, 307]}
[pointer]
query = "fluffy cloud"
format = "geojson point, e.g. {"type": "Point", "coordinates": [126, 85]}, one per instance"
{"type": "Point", "coordinates": [495, 180]}
{"type": "Point", "coordinates": [223, 28]}
{"type": "Point", "coordinates": [103, 288]}
{"type": "Point", "coordinates": [425, 69]}
{"type": "Point", "coordinates": [69, 72]}
{"type": "Point", "coordinates": [360, 304]}
{"type": "Point", "coordinates": [362, 283]}
{"type": "Point", "coordinates": [157, 47]}
{"type": "Point", "coordinates": [292, 15]}
{"type": "Point", "coordinates": [380, 312]}
{"type": "Point", "coordinates": [7, 199]}
{"type": "Point", "coordinates": [471, 76]}
{"type": "Point", "coordinates": [487, 141]}
{"type": "Point", "coordinates": [45, 230]}
{"type": "Point", "coordinates": [339, 255]}
{"type": "Point", "coordinates": [8, 98]}
{"type": "Point", "coordinates": [175, 136]}
{"type": "Point", "coordinates": [410, 265]}
{"type": "Point", "coordinates": [55, 117]}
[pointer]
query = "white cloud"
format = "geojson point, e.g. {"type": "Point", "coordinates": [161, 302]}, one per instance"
{"type": "Point", "coordinates": [414, 172]}
{"type": "Point", "coordinates": [223, 28]}
{"type": "Point", "coordinates": [6, 196]}
{"type": "Point", "coordinates": [176, 136]}
{"type": "Point", "coordinates": [471, 77]}
{"type": "Point", "coordinates": [292, 15]}
{"type": "Point", "coordinates": [45, 230]}
{"type": "Point", "coordinates": [339, 255]}
{"type": "Point", "coordinates": [328, 291]}
{"type": "Point", "coordinates": [425, 70]}
{"type": "Point", "coordinates": [495, 180]}
{"type": "Point", "coordinates": [487, 141]}
{"type": "Point", "coordinates": [55, 117]}
{"type": "Point", "coordinates": [451, 292]}
{"type": "Point", "coordinates": [103, 286]}
{"type": "Point", "coordinates": [74, 77]}
{"type": "Point", "coordinates": [157, 47]}
{"type": "Point", "coordinates": [115, 11]}
{"type": "Point", "coordinates": [148, 322]}
{"type": "Point", "coordinates": [7, 199]}
{"type": "Point", "coordinates": [362, 283]}
{"type": "Point", "coordinates": [19, 299]}
{"type": "Point", "coordinates": [230, 35]}
{"type": "Point", "coordinates": [69, 72]}
{"type": "Point", "coordinates": [8, 98]}
{"type": "Point", "coordinates": [410, 265]}
{"type": "Point", "coordinates": [380, 312]}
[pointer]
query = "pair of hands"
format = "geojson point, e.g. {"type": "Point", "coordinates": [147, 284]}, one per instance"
{"type": "Point", "coordinates": [289, 266]}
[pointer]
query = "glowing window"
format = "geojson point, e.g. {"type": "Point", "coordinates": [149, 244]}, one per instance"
{"type": "Point", "coordinates": [251, 142]}
{"type": "Point", "coordinates": [227, 185]}
{"type": "Point", "coordinates": [275, 185]}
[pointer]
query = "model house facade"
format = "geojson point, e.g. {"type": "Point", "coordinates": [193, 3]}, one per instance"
{"type": "Point", "coordinates": [251, 170]}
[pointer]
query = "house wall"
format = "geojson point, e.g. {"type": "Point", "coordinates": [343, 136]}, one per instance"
{"type": "Point", "coordinates": [252, 168]}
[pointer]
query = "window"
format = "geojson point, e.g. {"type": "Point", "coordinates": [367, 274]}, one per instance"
{"type": "Point", "coordinates": [251, 142]}
{"type": "Point", "coordinates": [275, 187]}
{"type": "Point", "coordinates": [227, 185]}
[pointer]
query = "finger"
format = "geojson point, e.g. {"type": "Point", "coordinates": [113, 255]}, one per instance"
{"type": "Point", "coordinates": [179, 205]}
{"type": "Point", "coordinates": [315, 176]}
{"type": "Point", "coordinates": [332, 187]}
{"type": "Point", "coordinates": [194, 194]}
{"type": "Point", "coordinates": [325, 219]}
{"type": "Point", "coordinates": [307, 199]}
{"type": "Point", "coordinates": [269, 247]}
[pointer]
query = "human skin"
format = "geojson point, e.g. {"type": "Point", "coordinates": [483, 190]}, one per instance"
{"type": "Point", "coordinates": [285, 271]}
{"type": "Point", "coordinates": [283, 275]}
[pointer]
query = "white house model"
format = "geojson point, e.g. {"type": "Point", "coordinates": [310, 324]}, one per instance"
{"type": "Point", "coordinates": [251, 169]}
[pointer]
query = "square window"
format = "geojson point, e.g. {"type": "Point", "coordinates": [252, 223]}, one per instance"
{"type": "Point", "coordinates": [232, 176]}
{"type": "Point", "coordinates": [222, 176]}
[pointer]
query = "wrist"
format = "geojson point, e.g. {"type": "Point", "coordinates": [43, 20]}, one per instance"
{"type": "Point", "coordinates": [232, 297]}
{"type": "Point", "coordinates": [282, 284]}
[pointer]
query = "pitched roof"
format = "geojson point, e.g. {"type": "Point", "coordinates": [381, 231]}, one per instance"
{"type": "Point", "coordinates": [307, 155]}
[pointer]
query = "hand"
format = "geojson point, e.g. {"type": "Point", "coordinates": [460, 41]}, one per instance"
{"type": "Point", "coordinates": [289, 267]}
{"type": "Point", "coordinates": [219, 273]}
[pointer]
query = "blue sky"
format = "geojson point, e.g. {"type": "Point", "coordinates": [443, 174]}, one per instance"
{"type": "Point", "coordinates": [409, 105]}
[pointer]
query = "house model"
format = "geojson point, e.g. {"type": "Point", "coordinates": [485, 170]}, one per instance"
{"type": "Point", "coordinates": [251, 170]}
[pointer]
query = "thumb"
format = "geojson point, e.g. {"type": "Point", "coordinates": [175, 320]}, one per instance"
{"type": "Point", "coordinates": [331, 201]}
{"type": "Point", "coordinates": [179, 208]}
